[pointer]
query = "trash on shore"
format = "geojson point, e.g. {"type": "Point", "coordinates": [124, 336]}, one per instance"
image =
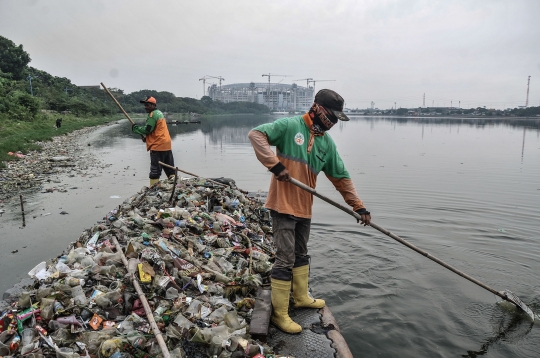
{"type": "Point", "coordinates": [198, 263]}
{"type": "Point", "coordinates": [59, 156]}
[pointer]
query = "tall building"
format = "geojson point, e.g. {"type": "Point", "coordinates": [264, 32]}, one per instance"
{"type": "Point", "coordinates": [276, 96]}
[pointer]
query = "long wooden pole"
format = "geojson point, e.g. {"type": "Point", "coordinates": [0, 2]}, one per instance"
{"type": "Point", "coordinates": [118, 104]}
{"type": "Point", "coordinates": [22, 209]}
{"type": "Point", "coordinates": [501, 294]}
{"type": "Point", "coordinates": [142, 297]}
{"type": "Point", "coordinates": [195, 175]}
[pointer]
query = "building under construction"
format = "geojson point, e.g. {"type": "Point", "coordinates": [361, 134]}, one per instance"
{"type": "Point", "coordinates": [276, 96]}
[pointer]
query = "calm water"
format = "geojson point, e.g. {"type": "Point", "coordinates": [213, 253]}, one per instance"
{"type": "Point", "coordinates": [466, 191]}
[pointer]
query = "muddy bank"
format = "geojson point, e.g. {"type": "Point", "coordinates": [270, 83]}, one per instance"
{"type": "Point", "coordinates": [63, 155]}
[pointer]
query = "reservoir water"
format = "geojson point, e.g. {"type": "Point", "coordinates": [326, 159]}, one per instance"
{"type": "Point", "coordinates": [464, 190]}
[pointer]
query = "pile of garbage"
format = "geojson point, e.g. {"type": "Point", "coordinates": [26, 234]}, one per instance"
{"type": "Point", "coordinates": [63, 155]}
{"type": "Point", "coordinates": [176, 266]}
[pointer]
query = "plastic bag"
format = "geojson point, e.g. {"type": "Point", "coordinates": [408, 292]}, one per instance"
{"type": "Point", "coordinates": [110, 346]}
{"type": "Point", "coordinates": [47, 308]}
{"type": "Point", "coordinates": [218, 315]}
{"type": "Point", "coordinates": [62, 268]}
{"type": "Point", "coordinates": [24, 300]}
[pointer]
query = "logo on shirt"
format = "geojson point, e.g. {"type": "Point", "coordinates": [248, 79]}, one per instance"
{"type": "Point", "coordinates": [299, 138]}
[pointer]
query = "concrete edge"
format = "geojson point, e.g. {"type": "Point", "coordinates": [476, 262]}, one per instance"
{"type": "Point", "coordinates": [334, 334]}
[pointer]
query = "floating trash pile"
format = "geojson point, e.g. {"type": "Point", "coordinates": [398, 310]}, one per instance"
{"type": "Point", "coordinates": [192, 254]}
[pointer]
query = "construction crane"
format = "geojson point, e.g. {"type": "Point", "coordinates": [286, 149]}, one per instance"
{"type": "Point", "coordinates": [269, 75]}
{"type": "Point", "coordinates": [205, 77]}
{"type": "Point", "coordinates": [305, 79]}
{"type": "Point", "coordinates": [218, 78]}
{"type": "Point", "coordinates": [314, 81]}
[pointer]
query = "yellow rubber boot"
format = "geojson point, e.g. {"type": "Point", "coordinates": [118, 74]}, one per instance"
{"type": "Point", "coordinates": [153, 181]}
{"type": "Point", "coordinates": [300, 293]}
{"type": "Point", "coordinates": [280, 307]}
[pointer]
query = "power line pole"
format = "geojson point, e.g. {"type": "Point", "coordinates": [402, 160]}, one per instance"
{"type": "Point", "coordinates": [30, 78]}
{"type": "Point", "coordinates": [528, 83]}
{"type": "Point", "coordinates": [205, 77]}
{"type": "Point", "coordinates": [424, 103]}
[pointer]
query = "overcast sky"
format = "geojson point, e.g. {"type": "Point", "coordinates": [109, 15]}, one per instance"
{"type": "Point", "coordinates": [478, 52]}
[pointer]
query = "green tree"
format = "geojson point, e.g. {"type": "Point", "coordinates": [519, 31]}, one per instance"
{"type": "Point", "coordinates": [207, 101]}
{"type": "Point", "coordinates": [13, 59]}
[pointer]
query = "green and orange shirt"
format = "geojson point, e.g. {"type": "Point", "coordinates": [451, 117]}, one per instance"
{"type": "Point", "coordinates": [156, 132]}
{"type": "Point", "coordinates": [304, 155]}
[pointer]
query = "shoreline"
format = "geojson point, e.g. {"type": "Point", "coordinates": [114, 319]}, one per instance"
{"type": "Point", "coordinates": [59, 156]}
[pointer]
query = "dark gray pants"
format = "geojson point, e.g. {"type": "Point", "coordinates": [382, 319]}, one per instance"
{"type": "Point", "coordinates": [164, 157]}
{"type": "Point", "coordinates": [291, 235]}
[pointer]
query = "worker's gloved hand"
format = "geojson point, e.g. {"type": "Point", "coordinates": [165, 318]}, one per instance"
{"type": "Point", "coordinates": [365, 216]}
{"type": "Point", "coordinates": [281, 173]}
{"type": "Point", "coordinates": [133, 126]}
{"type": "Point", "coordinates": [284, 175]}
{"type": "Point", "coordinates": [143, 138]}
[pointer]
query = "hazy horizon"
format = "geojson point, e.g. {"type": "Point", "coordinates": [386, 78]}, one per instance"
{"type": "Point", "coordinates": [478, 53]}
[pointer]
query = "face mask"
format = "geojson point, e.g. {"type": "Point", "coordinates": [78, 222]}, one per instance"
{"type": "Point", "coordinates": [322, 119]}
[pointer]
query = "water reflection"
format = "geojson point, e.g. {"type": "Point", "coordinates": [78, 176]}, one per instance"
{"type": "Point", "coordinates": [227, 129]}
{"type": "Point", "coordinates": [234, 128]}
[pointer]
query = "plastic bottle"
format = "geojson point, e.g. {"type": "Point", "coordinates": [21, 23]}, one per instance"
{"type": "Point", "coordinates": [180, 223]}
{"type": "Point", "coordinates": [58, 307]}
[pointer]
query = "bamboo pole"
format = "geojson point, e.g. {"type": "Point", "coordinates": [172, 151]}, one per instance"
{"type": "Point", "coordinates": [142, 297]}
{"type": "Point", "coordinates": [118, 104]}
{"type": "Point", "coordinates": [188, 173]}
{"type": "Point", "coordinates": [502, 294]}
{"type": "Point", "coordinates": [22, 210]}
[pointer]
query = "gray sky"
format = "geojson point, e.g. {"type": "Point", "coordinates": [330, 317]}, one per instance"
{"type": "Point", "coordinates": [478, 52]}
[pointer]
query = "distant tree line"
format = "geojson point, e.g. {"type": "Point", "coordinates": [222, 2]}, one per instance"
{"type": "Point", "coordinates": [479, 111]}
{"type": "Point", "coordinates": [25, 91]}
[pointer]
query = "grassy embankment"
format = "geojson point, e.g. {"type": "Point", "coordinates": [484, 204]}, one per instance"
{"type": "Point", "coordinates": [22, 136]}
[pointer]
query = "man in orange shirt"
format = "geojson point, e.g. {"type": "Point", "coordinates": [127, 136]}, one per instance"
{"type": "Point", "coordinates": [157, 138]}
